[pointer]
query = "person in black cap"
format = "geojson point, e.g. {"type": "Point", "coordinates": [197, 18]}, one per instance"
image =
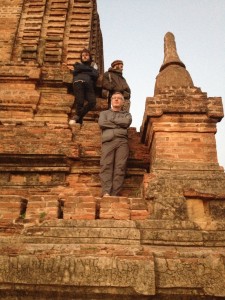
{"type": "Point", "coordinates": [113, 81]}
{"type": "Point", "coordinates": [85, 75]}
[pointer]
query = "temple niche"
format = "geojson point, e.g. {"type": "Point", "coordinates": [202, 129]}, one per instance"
{"type": "Point", "coordinates": [163, 237]}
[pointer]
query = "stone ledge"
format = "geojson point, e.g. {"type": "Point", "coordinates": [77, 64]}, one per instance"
{"type": "Point", "coordinates": [118, 269]}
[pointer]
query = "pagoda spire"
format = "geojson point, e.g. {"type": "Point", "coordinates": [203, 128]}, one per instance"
{"type": "Point", "coordinates": [170, 52]}
{"type": "Point", "coordinates": [173, 72]}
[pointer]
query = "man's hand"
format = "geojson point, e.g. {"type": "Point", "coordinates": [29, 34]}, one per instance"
{"type": "Point", "coordinates": [94, 65]}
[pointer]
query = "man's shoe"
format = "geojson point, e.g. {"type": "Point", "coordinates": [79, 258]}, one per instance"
{"type": "Point", "coordinates": [79, 120]}
{"type": "Point", "coordinates": [106, 195]}
{"type": "Point", "coordinates": [74, 120]}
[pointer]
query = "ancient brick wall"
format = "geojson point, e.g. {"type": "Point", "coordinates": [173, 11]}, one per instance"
{"type": "Point", "coordinates": [163, 237]}
{"type": "Point", "coordinates": [41, 156]}
{"type": "Point", "coordinates": [190, 119]}
{"type": "Point", "coordinates": [49, 32]}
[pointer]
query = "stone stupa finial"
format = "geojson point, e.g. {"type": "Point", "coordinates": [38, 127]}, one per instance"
{"type": "Point", "coordinates": [170, 52]}
{"type": "Point", "coordinates": [173, 71]}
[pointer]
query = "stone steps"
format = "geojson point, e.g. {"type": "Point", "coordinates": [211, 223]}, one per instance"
{"type": "Point", "coordinates": [59, 216]}
{"type": "Point", "coordinates": [114, 232]}
{"type": "Point", "coordinates": [92, 233]}
{"type": "Point", "coordinates": [37, 208]}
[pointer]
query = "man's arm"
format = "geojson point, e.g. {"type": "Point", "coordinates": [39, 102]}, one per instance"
{"type": "Point", "coordinates": [123, 120]}
{"type": "Point", "coordinates": [94, 73]}
{"type": "Point", "coordinates": [82, 68]}
{"type": "Point", "coordinates": [105, 122]}
{"type": "Point", "coordinates": [107, 83]}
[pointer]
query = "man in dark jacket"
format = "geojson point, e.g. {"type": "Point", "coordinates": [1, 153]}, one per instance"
{"type": "Point", "coordinates": [113, 81]}
{"type": "Point", "coordinates": [85, 75]}
{"type": "Point", "coordinates": [115, 151]}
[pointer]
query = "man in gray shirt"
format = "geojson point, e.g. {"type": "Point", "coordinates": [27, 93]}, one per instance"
{"type": "Point", "coordinates": [115, 150]}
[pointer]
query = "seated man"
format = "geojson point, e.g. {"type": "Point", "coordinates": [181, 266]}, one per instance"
{"type": "Point", "coordinates": [113, 81]}
{"type": "Point", "coordinates": [115, 150]}
{"type": "Point", "coordinates": [85, 75]}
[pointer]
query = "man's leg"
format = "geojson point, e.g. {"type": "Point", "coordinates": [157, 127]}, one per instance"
{"type": "Point", "coordinates": [120, 163]}
{"type": "Point", "coordinates": [79, 98]}
{"type": "Point", "coordinates": [90, 97]}
{"type": "Point", "coordinates": [106, 166]}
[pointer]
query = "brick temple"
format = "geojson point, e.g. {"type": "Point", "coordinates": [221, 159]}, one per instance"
{"type": "Point", "coordinates": [163, 238]}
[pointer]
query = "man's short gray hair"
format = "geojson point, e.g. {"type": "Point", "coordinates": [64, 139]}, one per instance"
{"type": "Point", "coordinates": [118, 94]}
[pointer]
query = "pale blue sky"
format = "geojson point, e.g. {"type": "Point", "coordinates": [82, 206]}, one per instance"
{"type": "Point", "coordinates": [133, 30]}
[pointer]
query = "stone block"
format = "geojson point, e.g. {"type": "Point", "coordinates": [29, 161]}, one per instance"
{"type": "Point", "coordinates": [114, 207]}
{"type": "Point", "coordinates": [139, 214]}
{"type": "Point", "coordinates": [79, 207]}
{"type": "Point", "coordinates": [100, 272]}
{"type": "Point", "coordinates": [191, 271]}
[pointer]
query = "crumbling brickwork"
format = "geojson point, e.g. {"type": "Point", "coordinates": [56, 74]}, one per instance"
{"type": "Point", "coordinates": [163, 237]}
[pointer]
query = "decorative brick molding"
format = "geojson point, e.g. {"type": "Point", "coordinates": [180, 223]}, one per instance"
{"type": "Point", "coordinates": [163, 237]}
